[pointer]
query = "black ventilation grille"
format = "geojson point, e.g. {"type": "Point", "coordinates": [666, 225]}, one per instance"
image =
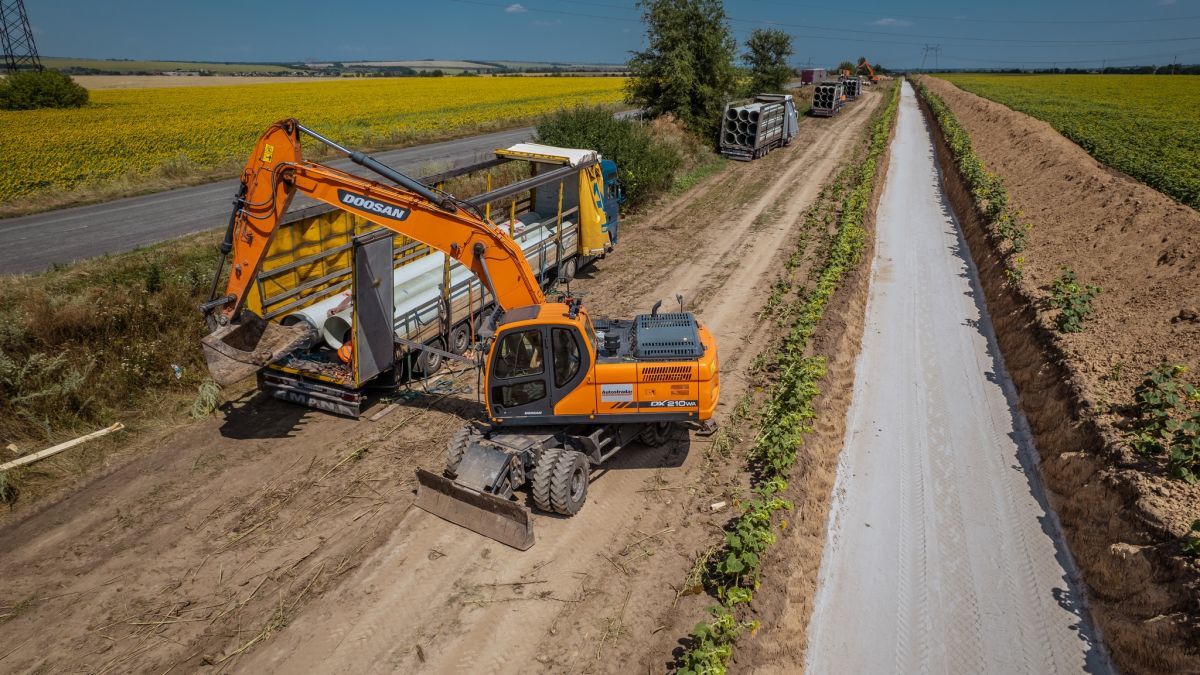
{"type": "Point", "coordinates": [667, 335]}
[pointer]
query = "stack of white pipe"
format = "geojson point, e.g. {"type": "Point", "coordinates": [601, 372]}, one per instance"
{"type": "Point", "coordinates": [416, 287]}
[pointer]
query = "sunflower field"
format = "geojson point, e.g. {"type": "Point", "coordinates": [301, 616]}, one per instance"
{"type": "Point", "coordinates": [1147, 126]}
{"type": "Point", "coordinates": [131, 132]}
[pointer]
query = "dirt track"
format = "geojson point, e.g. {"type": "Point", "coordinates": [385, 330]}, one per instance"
{"type": "Point", "coordinates": [276, 539]}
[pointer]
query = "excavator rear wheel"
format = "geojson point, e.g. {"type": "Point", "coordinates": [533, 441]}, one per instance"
{"type": "Point", "coordinates": [656, 434]}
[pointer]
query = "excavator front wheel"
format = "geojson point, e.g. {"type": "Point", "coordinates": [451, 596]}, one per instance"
{"type": "Point", "coordinates": [560, 481]}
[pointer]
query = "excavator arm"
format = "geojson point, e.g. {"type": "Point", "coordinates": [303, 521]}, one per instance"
{"type": "Point", "coordinates": [241, 343]}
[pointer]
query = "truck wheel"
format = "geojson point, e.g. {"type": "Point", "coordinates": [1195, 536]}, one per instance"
{"type": "Point", "coordinates": [570, 267]}
{"type": "Point", "coordinates": [460, 339]}
{"type": "Point", "coordinates": [656, 434]}
{"type": "Point", "coordinates": [428, 362]}
{"type": "Point", "coordinates": [456, 447]}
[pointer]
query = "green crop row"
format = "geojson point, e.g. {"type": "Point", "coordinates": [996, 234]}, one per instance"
{"type": "Point", "coordinates": [1143, 126]}
{"type": "Point", "coordinates": [1005, 225]}
{"type": "Point", "coordinates": [785, 420]}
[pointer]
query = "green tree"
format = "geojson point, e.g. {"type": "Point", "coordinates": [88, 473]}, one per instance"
{"type": "Point", "coordinates": [847, 66]}
{"type": "Point", "coordinates": [767, 52]}
{"type": "Point", "coordinates": [687, 67]}
{"type": "Point", "coordinates": [41, 89]}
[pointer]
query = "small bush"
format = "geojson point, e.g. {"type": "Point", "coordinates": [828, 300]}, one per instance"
{"type": "Point", "coordinates": [1073, 301]}
{"type": "Point", "coordinates": [647, 165]}
{"type": "Point", "coordinates": [41, 89]}
{"type": "Point", "coordinates": [1191, 543]}
{"type": "Point", "coordinates": [1167, 420]}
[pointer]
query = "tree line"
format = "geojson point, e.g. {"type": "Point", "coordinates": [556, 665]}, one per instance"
{"type": "Point", "coordinates": [688, 68]}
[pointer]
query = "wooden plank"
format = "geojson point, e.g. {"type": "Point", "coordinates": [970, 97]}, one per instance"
{"type": "Point", "coordinates": [43, 454]}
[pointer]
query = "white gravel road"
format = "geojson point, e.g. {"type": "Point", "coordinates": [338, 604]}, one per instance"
{"type": "Point", "coordinates": [942, 555]}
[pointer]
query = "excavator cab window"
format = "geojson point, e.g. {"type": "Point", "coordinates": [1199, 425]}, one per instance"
{"type": "Point", "coordinates": [566, 356]}
{"type": "Point", "coordinates": [519, 354]}
{"type": "Point", "coordinates": [520, 363]}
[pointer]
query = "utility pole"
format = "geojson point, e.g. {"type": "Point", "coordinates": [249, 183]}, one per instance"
{"type": "Point", "coordinates": [928, 49]}
{"type": "Point", "coordinates": [16, 38]}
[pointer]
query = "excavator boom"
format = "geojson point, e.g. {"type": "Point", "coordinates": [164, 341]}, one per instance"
{"type": "Point", "coordinates": [242, 343]}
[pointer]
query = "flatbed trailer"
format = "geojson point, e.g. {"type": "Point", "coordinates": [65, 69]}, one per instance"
{"type": "Point", "coordinates": [750, 131]}
{"type": "Point", "coordinates": [564, 215]}
{"type": "Point", "coordinates": [828, 99]}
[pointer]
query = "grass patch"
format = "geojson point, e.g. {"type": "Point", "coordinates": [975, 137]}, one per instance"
{"type": "Point", "coordinates": [692, 177]}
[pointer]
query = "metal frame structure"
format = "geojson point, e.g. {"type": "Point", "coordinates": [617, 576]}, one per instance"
{"type": "Point", "coordinates": [16, 38]}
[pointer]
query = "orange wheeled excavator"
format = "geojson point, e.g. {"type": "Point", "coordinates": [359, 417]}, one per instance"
{"type": "Point", "coordinates": [563, 392]}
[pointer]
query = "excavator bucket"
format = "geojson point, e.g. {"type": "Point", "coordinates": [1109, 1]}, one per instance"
{"type": "Point", "coordinates": [494, 517]}
{"type": "Point", "coordinates": [238, 350]}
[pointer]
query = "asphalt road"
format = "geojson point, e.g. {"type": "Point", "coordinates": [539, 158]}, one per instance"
{"type": "Point", "coordinates": [943, 555]}
{"type": "Point", "coordinates": [33, 243]}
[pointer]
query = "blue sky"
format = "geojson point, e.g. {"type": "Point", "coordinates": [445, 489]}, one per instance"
{"type": "Point", "coordinates": [1017, 32]}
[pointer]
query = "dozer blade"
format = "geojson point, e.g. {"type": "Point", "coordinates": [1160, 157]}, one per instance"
{"type": "Point", "coordinates": [238, 350]}
{"type": "Point", "coordinates": [495, 518]}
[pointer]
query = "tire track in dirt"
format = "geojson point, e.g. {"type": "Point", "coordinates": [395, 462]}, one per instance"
{"type": "Point", "coordinates": [468, 619]}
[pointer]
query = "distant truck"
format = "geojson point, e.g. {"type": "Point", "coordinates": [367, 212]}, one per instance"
{"type": "Point", "coordinates": [812, 75]}
{"type": "Point", "coordinates": [828, 99]}
{"type": "Point", "coordinates": [752, 130]}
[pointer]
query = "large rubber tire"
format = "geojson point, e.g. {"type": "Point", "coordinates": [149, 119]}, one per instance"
{"type": "Point", "coordinates": [568, 491]}
{"type": "Point", "coordinates": [457, 447]}
{"type": "Point", "coordinates": [657, 434]}
{"type": "Point", "coordinates": [570, 268]}
{"type": "Point", "coordinates": [429, 363]}
{"type": "Point", "coordinates": [460, 339]}
{"type": "Point", "coordinates": [543, 475]}
{"type": "Point", "coordinates": [560, 481]}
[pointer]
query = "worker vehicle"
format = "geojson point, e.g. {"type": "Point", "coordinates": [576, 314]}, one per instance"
{"type": "Point", "coordinates": [306, 275]}
{"type": "Point", "coordinates": [866, 65]}
{"type": "Point", "coordinates": [562, 392]}
{"type": "Point", "coordinates": [750, 131]}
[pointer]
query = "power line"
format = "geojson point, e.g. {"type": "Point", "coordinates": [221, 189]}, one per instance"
{"type": "Point", "coordinates": [840, 32]}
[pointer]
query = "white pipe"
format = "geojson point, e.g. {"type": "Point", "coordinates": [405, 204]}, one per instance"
{"type": "Point", "coordinates": [417, 285]}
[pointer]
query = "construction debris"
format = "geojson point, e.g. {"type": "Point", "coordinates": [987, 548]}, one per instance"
{"type": "Point", "coordinates": [48, 452]}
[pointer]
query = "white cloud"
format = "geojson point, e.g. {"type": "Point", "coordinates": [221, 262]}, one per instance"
{"type": "Point", "coordinates": [515, 8]}
{"type": "Point", "coordinates": [891, 22]}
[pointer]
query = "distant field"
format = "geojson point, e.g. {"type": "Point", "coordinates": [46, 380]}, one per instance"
{"type": "Point", "coordinates": [158, 81]}
{"type": "Point", "coordinates": [119, 66]}
{"type": "Point", "coordinates": [133, 132]}
{"type": "Point", "coordinates": [1147, 126]}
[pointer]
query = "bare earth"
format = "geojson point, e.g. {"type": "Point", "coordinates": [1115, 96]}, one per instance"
{"type": "Point", "coordinates": [276, 539]}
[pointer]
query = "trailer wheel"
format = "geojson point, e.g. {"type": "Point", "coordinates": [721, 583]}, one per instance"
{"type": "Point", "coordinates": [428, 362]}
{"type": "Point", "coordinates": [460, 338]}
{"type": "Point", "coordinates": [570, 267]}
{"type": "Point", "coordinates": [656, 434]}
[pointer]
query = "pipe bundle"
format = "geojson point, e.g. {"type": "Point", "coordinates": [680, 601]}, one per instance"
{"type": "Point", "coordinates": [417, 285]}
{"type": "Point", "coordinates": [750, 126]}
